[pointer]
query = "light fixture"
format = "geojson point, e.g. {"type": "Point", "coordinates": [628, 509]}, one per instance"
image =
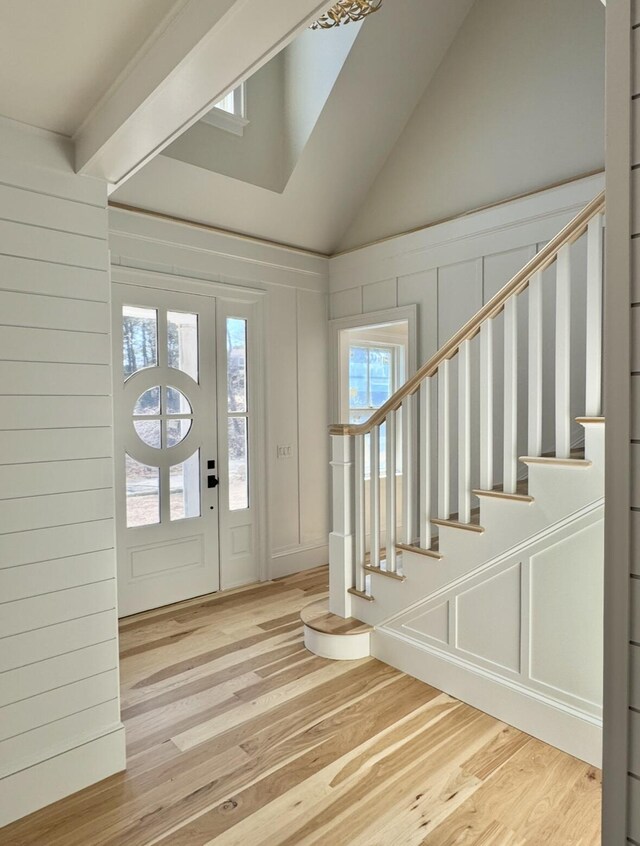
{"type": "Point", "coordinates": [346, 11]}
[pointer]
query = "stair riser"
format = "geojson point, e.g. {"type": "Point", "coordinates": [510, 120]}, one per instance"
{"type": "Point", "coordinates": [337, 647]}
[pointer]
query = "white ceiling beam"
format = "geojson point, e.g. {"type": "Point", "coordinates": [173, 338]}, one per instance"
{"type": "Point", "coordinates": [207, 49]}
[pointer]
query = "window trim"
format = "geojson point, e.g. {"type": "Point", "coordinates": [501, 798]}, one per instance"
{"type": "Point", "coordinates": [373, 318]}
{"type": "Point", "coordinates": [230, 122]}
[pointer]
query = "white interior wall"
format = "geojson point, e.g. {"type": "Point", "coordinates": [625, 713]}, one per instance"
{"type": "Point", "coordinates": [296, 345]}
{"type": "Point", "coordinates": [311, 65]}
{"type": "Point", "coordinates": [517, 104]}
{"type": "Point", "coordinates": [60, 724]}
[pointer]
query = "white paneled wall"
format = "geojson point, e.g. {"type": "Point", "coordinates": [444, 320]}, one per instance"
{"type": "Point", "coordinates": [296, 339]}
{"type": "Point", "coordinates": [59, 696]}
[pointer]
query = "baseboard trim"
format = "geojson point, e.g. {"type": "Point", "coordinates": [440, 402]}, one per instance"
{"type": "Point", "coordinates": [288, 562]}
{"type": "Point", "coordinates": [557, 725]}
{"type": "Point", "coordinates": [30, 789]}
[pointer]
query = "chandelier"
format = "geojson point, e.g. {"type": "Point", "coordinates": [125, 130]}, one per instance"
{"type": "Point", "coordinates": [346, 11]}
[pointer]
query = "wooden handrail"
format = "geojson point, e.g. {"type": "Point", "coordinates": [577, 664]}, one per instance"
{"type": "Point", "coordinates": [547, 255]}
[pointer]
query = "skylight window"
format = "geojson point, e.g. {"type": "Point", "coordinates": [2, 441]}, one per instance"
{"type": "Point", "coordinates": [229, 113]}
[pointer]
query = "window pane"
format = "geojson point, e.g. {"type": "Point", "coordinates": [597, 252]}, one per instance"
{"type": "Point", "coordinates": [238, 464]}
{"type": "Point", "coordinates": [383, 449]}
{"type": "Point", "coordinates": [149, 432]}
{"type": "Point", "coordinates": [226, 104]}
{"type": "Point", "coordinates": [359, 416]}
{"type": "Point", "coordinates": [358, 377]}
{"type": "Point", "coordinates": [380, 376]}
{"type": "Point", "coordinates": [143, 493]}
{"type": "Point", "coordinates": [182, 342]}
{"type": "Point", "coordinates": [149, 402]}
{"type": "Point", "coordinates": [236, 364]}
{"type": "Point", "coordinates": [177, 403]}
{"type": "Point", "coordinates": [177, 431]}
{"type": "Point", "coordinates": [184, 482]}
{"type": "Point", "coordinates": [139, 339]}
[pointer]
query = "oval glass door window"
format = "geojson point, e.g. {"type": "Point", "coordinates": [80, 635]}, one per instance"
{"type": "Point", "coordinates": [148, 402]}
{"type": "Point", "coordinates": [177, 403]}
{"type": "Point", "coordinates": [149, 432]}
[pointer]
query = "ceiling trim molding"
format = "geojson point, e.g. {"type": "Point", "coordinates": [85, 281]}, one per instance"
{"type": "Point", "coordinates": [169, 218]}
{"type": "Point", "coordinates": [475, 210]}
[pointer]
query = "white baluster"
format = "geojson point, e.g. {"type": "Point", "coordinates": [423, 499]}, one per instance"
{"type": "Point", "coordinates": [486, 405]}
{"type": "Point", "coordinates": [464, 432]}
{"type": "Point", "coordinates": [391, 492]}
{"type": "Point", "coordinates": [374, 495]}
{"type": "Point", "coordinates": [563, 353]}
{"type": "Point", "coordinates": [408, 487]}
{"type": "Point", "coordinates": [510, 463]}
{"type": "Point", "coordinates": [425, 463]}
{"type": "Point", "coordinates": [359, 521]}
{"type": "Point", "coordinates": [593, 394]}
{"type": "Point", "coordinates": [444, 442]}
{"type": "Point", "coordinates": [534, 441]}
{"type": "Point", "coordinates": [341, 542]}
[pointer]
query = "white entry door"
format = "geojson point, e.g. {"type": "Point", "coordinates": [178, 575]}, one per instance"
{"type": "Point", "coordinates": [167, 496]}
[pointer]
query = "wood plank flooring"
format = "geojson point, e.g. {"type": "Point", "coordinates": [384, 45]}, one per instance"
{"type": "Point", "coordinates": [239, 737]}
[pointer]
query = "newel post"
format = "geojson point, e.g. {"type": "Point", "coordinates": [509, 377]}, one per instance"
{"type": "Point", "coordinates": [341, 539]}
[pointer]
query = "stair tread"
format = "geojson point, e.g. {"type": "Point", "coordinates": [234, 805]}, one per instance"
{"type": "Point", "coordinates": [432, 552]}
{"type": "Point", "coordinates": [472, 526]}
{"type": "Point", "coordinates": [318, 617]}
{"type": "Point", "coordinates": [553, 460]}
{"type": "Point", "coordinates": [380, 571]}
{"type": "Point", "coordinates": [520, 495]}
{"type": "Point", "coordinates": [361, 593]}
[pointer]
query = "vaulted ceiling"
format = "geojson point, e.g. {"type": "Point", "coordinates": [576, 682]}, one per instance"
{"type": "Point", "coordinates": [59, 57]}
{"type": "Point", "coordinates": [125, 79]}
{"type": "Point", "coordinates": [391, 62]}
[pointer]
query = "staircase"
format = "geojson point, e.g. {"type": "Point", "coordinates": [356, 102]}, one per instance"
{"type": "Point", "coordinates": [480, 571]}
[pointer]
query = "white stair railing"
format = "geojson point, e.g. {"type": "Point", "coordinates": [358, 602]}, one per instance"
{"type": "Point", "coordinates": [365, 540]}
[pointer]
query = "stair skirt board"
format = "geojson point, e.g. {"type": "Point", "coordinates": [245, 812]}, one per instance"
{"type": "Point", "coordinates": [491, 636]}
{"type": "Point", "coordinates": [573, 732]}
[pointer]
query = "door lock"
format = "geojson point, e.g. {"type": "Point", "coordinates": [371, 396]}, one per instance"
{"type": "Point", "coordinates": [212, 479]}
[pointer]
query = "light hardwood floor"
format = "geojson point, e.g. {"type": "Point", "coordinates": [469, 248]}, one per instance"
{"type": "Point", "coordinates": [237, 735]}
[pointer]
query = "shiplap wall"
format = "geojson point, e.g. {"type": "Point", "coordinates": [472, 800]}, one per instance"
{"type": "Point", "coordinates": [59, 696]}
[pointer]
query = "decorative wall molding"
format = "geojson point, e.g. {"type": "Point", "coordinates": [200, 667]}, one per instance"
{"type": "Point", "coordinates": [497, 628]}
{"type": "Point", "coordinates": [214, 254]}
